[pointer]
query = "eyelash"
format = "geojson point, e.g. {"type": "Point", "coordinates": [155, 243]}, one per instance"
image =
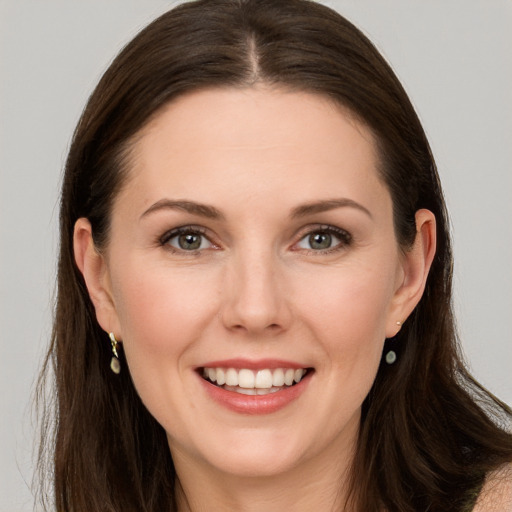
{"type": "Point", "coordinates": [183, 230]}
{"type": "Point", "coordinates": [344, 237]}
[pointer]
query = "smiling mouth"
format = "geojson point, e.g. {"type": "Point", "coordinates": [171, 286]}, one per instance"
{"type": "Point", "coordinates": [254, 382]}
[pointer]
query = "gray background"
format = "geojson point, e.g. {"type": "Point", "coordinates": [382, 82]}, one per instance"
{"type": "Point", "coordinates": [454, 58]}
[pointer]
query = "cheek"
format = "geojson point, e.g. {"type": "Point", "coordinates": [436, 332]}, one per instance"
{"type": "Point", "coordinates": [162, 314]}
{"type": "Point", "coordinates": [348, 310]}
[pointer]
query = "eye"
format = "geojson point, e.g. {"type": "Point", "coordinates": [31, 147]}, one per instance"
{"type": "Point", "coordinates": [186, 239]}
{"type": "Point", "coordinates": [324, 239]}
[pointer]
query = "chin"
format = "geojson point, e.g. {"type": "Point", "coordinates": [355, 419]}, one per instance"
{"type": "Point", "coordinates": [254, 454]}
{"type": "Point", "coordinates": [252, 465]}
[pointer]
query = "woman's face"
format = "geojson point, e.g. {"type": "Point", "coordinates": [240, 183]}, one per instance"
{"type": "Point", "coordinates": [253, 243]}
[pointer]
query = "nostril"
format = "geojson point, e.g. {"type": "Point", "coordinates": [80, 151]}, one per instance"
{"type": "Point", "coordinates": [241, 327]}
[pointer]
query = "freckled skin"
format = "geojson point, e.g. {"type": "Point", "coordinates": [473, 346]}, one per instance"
{"type": "Point", "coordinates": [256, 288]}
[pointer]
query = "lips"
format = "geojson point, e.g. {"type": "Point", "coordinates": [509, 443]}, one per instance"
{"type": "Point", "coordinates": [254, 387]}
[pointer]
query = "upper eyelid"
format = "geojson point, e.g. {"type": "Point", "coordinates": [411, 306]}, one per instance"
{"type": "Point", "coordinates": [307, 230]}
{"type": "Point", "coordinates": [171, 233]}
{"type": "Point", "coordinates": [343, 235]}
{"type": "Point", "coordinates": [164, 240]}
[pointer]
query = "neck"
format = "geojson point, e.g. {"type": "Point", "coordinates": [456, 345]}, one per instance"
{"type": "Point", "coordinates": [319, 483]}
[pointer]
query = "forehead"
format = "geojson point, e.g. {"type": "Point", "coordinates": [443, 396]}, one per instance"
{"type": "Point", "coordinates": [237, 143]}
{"type": "Point", "coordinates": [261, 115]}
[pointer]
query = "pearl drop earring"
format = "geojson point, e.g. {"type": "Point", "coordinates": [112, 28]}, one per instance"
{"type": "Point", "coordinates": [391, 356]}
{"type": "Point", "coordinates": [115, 365]}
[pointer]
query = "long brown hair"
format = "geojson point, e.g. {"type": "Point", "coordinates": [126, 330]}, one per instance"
{"type": "Point", "coordinates": [429, 432]}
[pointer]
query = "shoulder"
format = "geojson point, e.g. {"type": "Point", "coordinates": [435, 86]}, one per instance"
{"type": "Point", "coordinates": [496, 494]}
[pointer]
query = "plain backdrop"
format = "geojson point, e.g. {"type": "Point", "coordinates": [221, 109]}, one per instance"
{"type": "Point", "coordinates": [454, 59]}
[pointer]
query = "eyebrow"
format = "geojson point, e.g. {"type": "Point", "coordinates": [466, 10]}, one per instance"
{"type": "Point", "coordinates": [210, 212]}
{"type": "Point", "coordinates": [202, 210]}
{"type": "Point", "coordinates": [326, 205]}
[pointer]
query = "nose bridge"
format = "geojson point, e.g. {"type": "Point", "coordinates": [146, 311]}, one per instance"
{"type": "Point", "coordinates": [255, 300]}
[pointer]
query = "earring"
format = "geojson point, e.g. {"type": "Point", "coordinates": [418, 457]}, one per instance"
{"type": "Point", "coordinates": [115, 365]}
{"type": "Point", "coordinates": [391, 357]}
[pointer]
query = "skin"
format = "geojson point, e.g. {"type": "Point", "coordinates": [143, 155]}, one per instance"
{"type": "Point", "coordinates": [256, 289]}
{"type": "Point", "coordinates": [496, 495]}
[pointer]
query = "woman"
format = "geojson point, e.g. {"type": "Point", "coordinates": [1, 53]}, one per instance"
{"type": "Point", "coordinates": [254, 304]}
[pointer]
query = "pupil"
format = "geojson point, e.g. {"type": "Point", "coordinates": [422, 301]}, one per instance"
{"type": "Point", "coordinates": [320, 240]}
{"type": "Point", "coordinates": [190, 242]}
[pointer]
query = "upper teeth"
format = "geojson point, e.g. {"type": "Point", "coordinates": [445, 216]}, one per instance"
{"type": "Point", "coordinates": [250, 379]}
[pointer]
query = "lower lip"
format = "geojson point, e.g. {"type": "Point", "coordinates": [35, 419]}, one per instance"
{"type": "Point", "coordinates": [256, 404]}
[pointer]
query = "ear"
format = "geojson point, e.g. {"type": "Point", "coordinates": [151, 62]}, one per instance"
{"type": "Point", "coordinates": [415, 265]}
{"type": "Point", "coordinates": [94, 268]}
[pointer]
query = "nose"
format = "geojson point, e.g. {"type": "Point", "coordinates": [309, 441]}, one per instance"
{"type": "Point", "coordinates": [255, 301]}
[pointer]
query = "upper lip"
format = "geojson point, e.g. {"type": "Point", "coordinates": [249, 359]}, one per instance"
{"type": "Point", "coordinates": [253, 364]}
